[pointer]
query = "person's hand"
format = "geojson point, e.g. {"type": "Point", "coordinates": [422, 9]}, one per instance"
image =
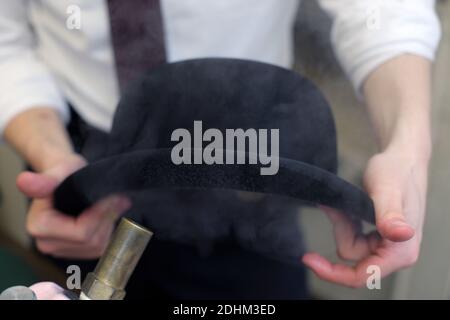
{"type": "Point", "coordinates": [397, 184]}
{"type": "Point", "coordinates": [60, 235]}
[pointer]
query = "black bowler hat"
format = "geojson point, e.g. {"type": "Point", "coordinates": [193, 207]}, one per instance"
{"type": "Point", "coordinates": [223, 94]}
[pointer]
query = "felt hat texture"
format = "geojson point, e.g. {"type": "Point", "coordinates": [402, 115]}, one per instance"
{"type": "Point", "coordinates": [222, 94]}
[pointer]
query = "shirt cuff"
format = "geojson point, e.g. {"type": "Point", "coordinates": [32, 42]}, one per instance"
{"type": "Point", "coordinates": [404, 28]}
{"type": "Point", "coordinates": [361, 72]}
{"type": "Point", "coordinates": [26, 84]}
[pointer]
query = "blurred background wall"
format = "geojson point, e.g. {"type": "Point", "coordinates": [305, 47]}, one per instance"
{"type": "Point", "coordinates": [430, 278]}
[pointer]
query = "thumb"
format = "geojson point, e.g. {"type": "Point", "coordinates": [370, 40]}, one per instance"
{"type": "Point", "coordinates": [35, 185]}
{"type": "Point", "coordinates": [390, 219]}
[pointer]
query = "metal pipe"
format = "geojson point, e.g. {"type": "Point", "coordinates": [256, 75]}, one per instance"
{"type": "Point", "coordinates": [118, 262]}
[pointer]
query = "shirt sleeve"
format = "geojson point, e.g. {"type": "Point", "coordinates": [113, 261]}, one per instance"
{"type": "Point", "coordinates": [367, 33]}
{"type": "Point", "coordinates": [25, 81]}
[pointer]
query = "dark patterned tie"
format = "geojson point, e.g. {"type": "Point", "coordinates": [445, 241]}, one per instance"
{"type": "Point", "coordinates": [137, 36]}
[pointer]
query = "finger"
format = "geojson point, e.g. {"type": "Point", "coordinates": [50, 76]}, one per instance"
{"type": "Point", "coordinates": [391, 223]}
{"type": "Point", "coordinates": [94, 248]}
{"type": "Point", "coordinates": [44, 221]}
{"type": "Point", "coordinates": [354, 277]}
{"type": "Point", "coordinates": [75, 251]}
{"type": "Point", "coordinates": [53, 224]}
{"type": "Point", "coordinates": [105, 211]}
{"type": "Point", "coordinates": [70, 250]}
{"type": "Point", "coordinates": [374, 241]}
{"type": "Point", "coordinates": [351, 244]}
{"type": "Point", "coordinates": [36, 185]}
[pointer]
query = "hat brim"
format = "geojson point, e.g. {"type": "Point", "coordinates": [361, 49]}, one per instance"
{"type": "Point", "coordinates": [153, 169]}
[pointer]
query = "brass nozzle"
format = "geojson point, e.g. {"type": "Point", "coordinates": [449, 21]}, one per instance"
{"type": "Point", "coordinates": [118, 262]}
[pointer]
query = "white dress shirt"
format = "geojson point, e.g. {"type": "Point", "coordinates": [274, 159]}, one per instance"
{"type": "Point", "coordinates": [44, 63]}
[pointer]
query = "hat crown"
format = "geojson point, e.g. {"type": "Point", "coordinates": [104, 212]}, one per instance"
{"type": "Point", "coordinates": [226, 94]}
